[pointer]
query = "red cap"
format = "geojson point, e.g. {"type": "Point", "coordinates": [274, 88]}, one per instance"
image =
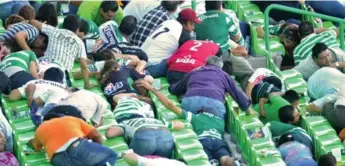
{"type": "Point", "coordinates": [189, 15]}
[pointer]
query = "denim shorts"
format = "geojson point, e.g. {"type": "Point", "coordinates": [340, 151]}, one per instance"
{"type": "Point", "coordinates": [215, 148]}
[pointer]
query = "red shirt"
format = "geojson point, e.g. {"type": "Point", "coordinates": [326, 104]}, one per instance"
{"type": "Point", "coordinates": [192, 54]}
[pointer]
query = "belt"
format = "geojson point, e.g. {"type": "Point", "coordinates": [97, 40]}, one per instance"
{"type": "Point", "coordinates": [152, 128]}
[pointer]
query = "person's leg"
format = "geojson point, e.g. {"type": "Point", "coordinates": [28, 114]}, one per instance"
{"type": "Point", "coordinates": [174, 76]}
{"type": "Point", "coordinates": [61, 159]}
{"type": "Point", "coordinates": [335, 115]}
{"type": "Point", "coordinates": [144, 142]}
{"type": "Point", "coordinates": [331, 8]}
{"type": "Point", "coordinates": [19, 79]}
{"type": "Point", "coordinates": [165, 143]}
{"type": "Point", "coordinates": [158, 70]}
{"type": "Point", "coordinates": [221, 152]}
{"type": "Point", "coordinates": [85, 153]}
{"type": "Point", "coordinates": [193, 103]}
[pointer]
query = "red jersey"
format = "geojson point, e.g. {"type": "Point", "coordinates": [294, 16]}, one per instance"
{"type": "Point", "coordinates": [192, 54]}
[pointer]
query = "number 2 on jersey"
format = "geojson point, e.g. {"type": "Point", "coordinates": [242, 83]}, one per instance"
{"type": "Point", "coordinates": [161, 32]}
{"type": "Point", "coordinates": [196, 44]}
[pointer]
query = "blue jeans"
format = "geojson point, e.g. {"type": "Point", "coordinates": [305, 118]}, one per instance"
{"type": "Point", "coordinates": [196, 103]}
{"type": "Point", "coordinates": [331, 8]}
{"type": "Point", "coordinates": [85, 153]}
{"type": "Point", "coordinates": [157, 142]}
{"type": "Point", "coordinates": [174, 76]}
{"type": "Point", "coordinates": [215, 148]}
{"type": "Point", "coordinates": [11, 7]}
{"type": "Point", "coordinates": [158, 70]}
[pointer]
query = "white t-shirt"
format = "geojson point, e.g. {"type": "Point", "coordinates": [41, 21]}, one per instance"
{"type": "Point", "coordinates": [163, 42]}
{"type": "Point", "coordinates": [138, 8]}
{"type": "Point", "coordinates": [260, 74]}
{"type": "Point", "coordinates": [42, 89]}
{"type": "Point", "coordinates": [92, 105]}
{"type": "Point", "coordinates": [325, 85]}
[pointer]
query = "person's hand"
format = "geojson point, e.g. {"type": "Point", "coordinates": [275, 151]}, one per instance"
{"type": "Point", "coordinates": [89, 86]}
{"type": "Point", "coordinates": [251, 111]}
{"type": "Point", "coordinates": [301, 1]}
{"type": "Point", "coordinates": [263, 113]}
{"type": "Point", "coordinates": [145, 84]}
{"type": "Point", "coordinates": [97, 45]}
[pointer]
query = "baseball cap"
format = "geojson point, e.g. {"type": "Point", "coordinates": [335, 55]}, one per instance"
{"type": "Point", "coordinates": [189, 15]}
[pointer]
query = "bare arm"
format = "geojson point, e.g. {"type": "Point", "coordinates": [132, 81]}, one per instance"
{"type": "Point", "coordinates": [140, 66]}
{"type": "Point", "coordinates": [33, 68]}
{"type": "Point", "coordinates": [95, 136]}
{"type": "Point", "coordinates": [35, 144]}
{"type": "Point", "coordinates": [248, 89]}
{"type": "Point", "coordinates": [85, 72]}
{"type": "Point", "coordinates": [36, 24]}
{"type": "Point", "coordinates": [29, 91]}
{"type": "Point", "coordinates": [114, 131]}
{"type": "Point", "coordinates": [20, 38]}
{"type": "Point", "coordinates": [164, 100]}
{"type": "Point", "coordinates": [262, 101]}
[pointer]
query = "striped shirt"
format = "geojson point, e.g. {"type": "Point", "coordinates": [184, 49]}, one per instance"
{"type": "Point", "coordinates": [128, 106]}
{"type": "Point", "coordinates": [304, 49]}
{"type": "Point", "coordinates": [131, 126]}
{"type": "Point", "coordinates": [18, 61]}
{"type": "Point", "coordinates": [63, 46]}
{"type": "Point", "coordinates": [149, 23]}
{"type": "Point", "coordinates": [31, 32]}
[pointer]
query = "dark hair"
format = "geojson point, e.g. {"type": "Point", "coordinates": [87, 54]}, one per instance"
{"type": "Point", "coordinates": [83, 26]}
{"type": "Point", "coordinates": [327, 160]}
{"type": "Point", "coordinates": [27, 12]}
{"type": "Point", "coordinates": [291, 33]}
{"type": "Point", "coordinates": [47, 13]}
{"type": "Point", "coordinates": [51, 116]}
{"type": "Point", "coordinates": [103, 55]}
{"type": "Point", "coordinates": [291, 96]}
{"type": "Point", "coordinates": [213, 5]}
{"type": "Point", "coordinates": [107, 69]}
{"type": "Point", "coordinates": [305, 28]}
{"type": "Point", "coordinates": [274, 80]}
{"type": "Point", "coordinates": [317, 49]}
{"type": "Point", "coordinates": [170, 5]}
{"type": "Point", "coordinates": [128, 25]}
{"type": "Point", "coordinates": [109, 6]}
{"type": "Point", "coordinates": [13, 19]}
{"type": "Point", "coordinates": [54, 74]}
{"type": "Point", "coordinates": [286, 114]}
{"type": "Point", "coordinates": [71, 22]}
{"type": "Point", "coordinates": [285, 138]}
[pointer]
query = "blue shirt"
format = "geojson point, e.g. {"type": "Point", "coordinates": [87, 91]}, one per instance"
{"type": "Point", "coordinates": [31, 32]}
{"type": "Point", "coordinates": [210, 81]}
{"type": "Point", "coordinates": [293, 151]}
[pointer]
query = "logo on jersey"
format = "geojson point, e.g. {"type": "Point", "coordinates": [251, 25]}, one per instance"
{"type": "Point", "coordinates": [111, 88]}
{"type": "Point", "coordinates": [185, 60]}
{"type": "Point", "coordinates": [109, 34]}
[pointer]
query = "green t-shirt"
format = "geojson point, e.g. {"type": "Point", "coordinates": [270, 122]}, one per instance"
{"type": "Point", "coordinates": [272, 108]}
{"type": "Point", "coordinates": [17, 61]}
{"type": "Point", "coordinates": [91, 10]}
{"type": "Point", "coordinates": [93, 32]}
{"type": "Point", "coordinates": [278, 129]}
{"type": "Point", "coordinates": [217, 27]}
{"type": "Point", "coordinates": [304, 49]}
{"type": "Point", "coordinates": [205, 124]}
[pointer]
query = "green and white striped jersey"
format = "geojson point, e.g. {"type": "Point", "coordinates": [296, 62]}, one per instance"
{"type": "Point", "coordinates": [304, 49]}
{"type": "Point", "coordinates": [17, 61]}
{"type": "Point", "coordinates": [128, 106]}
